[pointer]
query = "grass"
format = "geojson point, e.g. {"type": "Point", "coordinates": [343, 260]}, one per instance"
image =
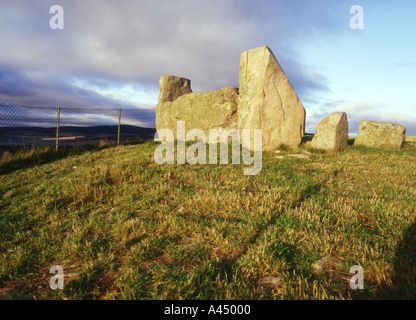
{"type": "Point", "coordinates": [122, 227]}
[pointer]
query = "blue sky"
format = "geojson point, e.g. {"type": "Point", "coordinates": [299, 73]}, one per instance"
{"type": "Point", "coordinates": [372, 72]}
{"type": "Point", "coordinates": [112, 53]}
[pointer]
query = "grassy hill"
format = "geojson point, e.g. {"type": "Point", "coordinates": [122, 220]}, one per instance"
{"type": "Point", "coordinates": [124, 227]}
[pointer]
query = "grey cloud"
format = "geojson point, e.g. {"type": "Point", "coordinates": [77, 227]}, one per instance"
{"type": "Point", "coordinates": [111, 43]}
{"type": "Point", "coordinates": [358, 111]}
{"type": "Point", "coordinates": [11, 83]}
{"type": "Point", "coordinates": [44, 92]}
{"type": "Point", "coordinates": [307, 82]}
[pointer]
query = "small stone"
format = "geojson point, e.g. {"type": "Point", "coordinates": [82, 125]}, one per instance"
{"type": "Point", "coordinates": [170, 175]}
{"type": "Point", "coordinates": [319, 266]}
{"type": "Point", "coordinates": [306, 152]}
{"type": "Point", "coordinates": [298, 156]}
{"type": "Point", "coordinates": [269, 282]}
{"type": "Point", "coordinates": [248, 189]}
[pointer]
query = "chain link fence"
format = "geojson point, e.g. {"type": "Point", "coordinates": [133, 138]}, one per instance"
{"type": "Point", "coordinates": [30, 126]}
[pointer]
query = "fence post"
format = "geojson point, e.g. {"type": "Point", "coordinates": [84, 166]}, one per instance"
{"type": "Point", "coordinates": [57, 128]}
{"type": "Point", "coordinates": [119, 121]}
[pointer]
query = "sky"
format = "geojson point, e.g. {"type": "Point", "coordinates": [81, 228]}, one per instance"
{"type": "Point", "coordinates": [111, 54]}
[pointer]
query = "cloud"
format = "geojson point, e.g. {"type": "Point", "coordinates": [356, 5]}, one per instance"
{"type": "Point", "coordinates": [110, 48]}
{"type": "Point", "coordinates": [405, 65]}
{"type": "Point", "coordinates": [134, 41]}
{"type": "Point", "coordinates": [358, 111]}
{"type": "Point", "coordinates": [307, 82]}
{"type": "Point", "coordinates": [11, 83]}
{"type": "Point", "coordinates": [19, 88]}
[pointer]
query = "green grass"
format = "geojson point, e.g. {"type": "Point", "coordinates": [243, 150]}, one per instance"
{"type": "Point", "coordinates": [122, 229]}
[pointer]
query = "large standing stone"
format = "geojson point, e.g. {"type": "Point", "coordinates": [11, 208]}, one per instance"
{"type": "Point", "coordinates": [215, 109]}
{"type": "Point", "coordinates": [172, 87]}
{"type": "Point", "coordinates": [331, 133]}
{"type": "Point", "coordinates": [380, 134]}
{"type": "Point", "coordinates": [268, 101]}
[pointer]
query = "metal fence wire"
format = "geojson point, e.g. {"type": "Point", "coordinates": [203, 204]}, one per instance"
{"type": "Point", "coordinates": [55, 127]}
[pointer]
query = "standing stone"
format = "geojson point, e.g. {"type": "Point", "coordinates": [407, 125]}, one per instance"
{"type": "Point", "coordinates": [380, 134]}
{"type": "Point", "coordinates": [268, 101]}
{"type": "Point", "coordinates": [216, 109]}
{"type": "Point", "coordinates": [172, 87]}
{"type": "Point", "coordinates": [331, 133]}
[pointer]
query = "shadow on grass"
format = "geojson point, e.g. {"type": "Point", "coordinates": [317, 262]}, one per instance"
{"type": "Point", "coordinates": [351, 141]}
{"type": "Point", "coordinates": [40, 156]}
{"type": "Point", "coordinates": [403, 282]}
{"type": "Point", "coordinates": [307, 137]}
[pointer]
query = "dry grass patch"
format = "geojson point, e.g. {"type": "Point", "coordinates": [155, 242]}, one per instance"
{"type": "Point", "coordinates": [136, 230]}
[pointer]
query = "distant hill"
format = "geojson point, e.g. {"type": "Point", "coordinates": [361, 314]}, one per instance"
{"type": "Point", "coordinates": [71, 134]}
{"type": "Point", "coordinates": [95, 130]}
